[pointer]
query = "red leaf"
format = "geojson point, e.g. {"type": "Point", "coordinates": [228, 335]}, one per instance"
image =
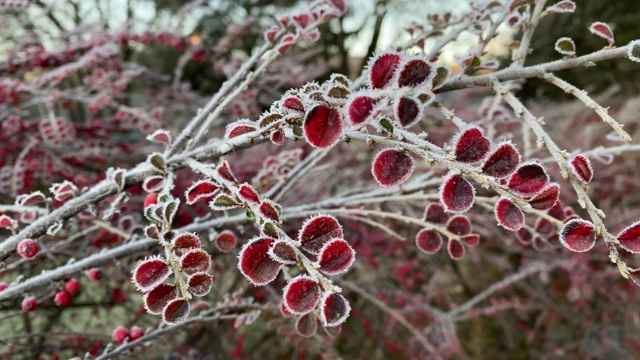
{"type": "Point", "coordinates": [455, 249]}
{"type": "Point", "coordinates": [195, 261]}
{"type": "Point", "coordinates": [247, 193]}
{"type": "Point", "coordinates": [322, 126]}
{"type": "Point", "coordinates": [524, 236]}
{"type": "Point", "coordinates": [428, 241]}
{"type": "Point", "coordinates": [471, 146]}
{"type": "Point", "coordinates": [528, 179]}
{"type": "Point", "coordinates": [224, 170]}
{"type": "Point", "coordinates": [306, 325]}
{"type": "Point", "coordinates": [578, 235]}
{"type": "Point", "coordinates": [603, 30]}
{"type": "Point", "coordinates": [152, 184]}
{"type": "Point", "coordinates": [336, 257]}
{"type": "Point", "coordinates": [161, 136]}
{"type": "Point", "coordinates": [339, 4]}
{"type": "Point", "coordinates": [382, 70]}
{"type": "Point", "coordinates": [176, 311]}
{"type": "Point", "coordinates": [508, 214]}
{"type": "Point", "coordinates": [256, 264]}
{"type": "Point", "coordinates": [408, 111]}
{"type": "Point", "coordinates": [557, 211]}
{"type": "Point", "coordinates": [317, 231]}
{"type": "Point", "coordinates": [630, 238]}
{"type": "Point", "coordinates": [185, 241]}
{"type": "Point", "coordinates": [414, 72]}
{"type": "Point", "coordinates": [361, 110]}
{"type": "Point", "coordinates": [278, 137]}
{"type": "Point", "coordinates": [581, 168]}
{"type": "Point", "coordinates": [471, 239]}
{"type": "Point", "coordinates": [334, 309]}
{"type": "Point", "coordinates": [459, 225]}
{"type": "Point", "coordinates": [435, 213]}
{"type": "Point", "coordinates": [156, 299]}
{"type": "Point", "coordinates": [293, 103]}
{"type": "Point", "coordinates": [202, 189]}
{"type": "Point", "coordinates": [150, 273]}
{"type": "Point", "coordinates": [267, 209]}
{"type": "Point", "coordinates": [200, 284]}
{"type": "Point", "coordinates": [301, 295]}
{"type": "Point", "coordinates": [392, 167]}
{"type": "Point", "coordinates": [546, 198]}
{"type": "Point", "coordinates": [456, 193]}
{"type": "Point", "coordinates": [238, 128]}
{"type": "Point", "coordinates": [283, 253]}
{"type": "Point", "coordinates": [502, 161]}
{"type": "Point", "coordinates": [544, 227]}
{"type": "Point", "coordinates": [31, 199]}
{"type": "Point", "coordinates": [226, 241]}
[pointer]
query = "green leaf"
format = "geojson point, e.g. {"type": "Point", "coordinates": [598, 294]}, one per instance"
{"type": "Point", "coordinates": [223, 202]}
{"type": "Point", "coordinates": [157, 161]}
{"type": "Point", "coordinates": [270, 230]}
{"type": "Point", "coordinates": [387, 125]}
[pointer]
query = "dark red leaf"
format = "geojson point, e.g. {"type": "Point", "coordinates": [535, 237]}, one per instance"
{"type": "Point", "coordinates": [428, 241]}
{"type": "Point", "coordinates": [509, 216]}
{"type": "Point", "coordinates": [322, 126]}
{"type": "Point", "coordinates": [317, 231]}
{"type": "Point", "coordinates": [455, 249]}
{"type": "Point", "coordinates": [150, 273]}
{"type": "Point", "coordinates": [195, 261]}
{"type": "Point", "coordinates": [301, 295]}
{"type": "Point", "coordinates": [581, 168]}
{"type": "Point", "coordinates": [334, 309]}
{"type": "Point", "coordinates": [456, 193]}
{"type": "Point", "coordinates": [414, 72]}
{"type": "Point", "coordinates": [470, 239]}
{"type": "Point", "coordinates": [238, 128]}
{"type": "Point", "coordinates": [202, 189]}
{"type": "Point", "coordinates": [528, 179]}
{"type": "Point", "coordinates": [435, 213]}
{"type": "Point", "coordinates": [382, 70]}
{"type": "Point", "coordinates": [459, 225]}
{"type": "Point", "coordinates": [502, 161]}
{"type": "Point", "coordinates": [185, 241]}
{"type": "Point", "coordinates": [156, 299]}
{"type": "Point", "coordinates": [360, 110]}
{"type": "Point", "coordinates": [392, 167]}
{"type": "Point", "coordinates": [471, 146]}
{"type": "Point", "coordinates": [306, 325]}
{"type": "Point", "coordinates": [578, 235]}
{"type": "Point", "coordinates": [283, 253]}
{"type": "Point", "coordinates": [630, 238]}
{"type": "Point", "coordinates": [226, 241]}
{"type": "Point", "coordinates": [524, 236]}
{"type": "Point", "coordinates": [268, 209]}
{"type": "Point", "coordinates": [546, 198]}
{"type": "Point", "coordinates": [224, 170]}
{"type": "Point", "coordinates": [408, 111]}
{"type": "Point", "coordinates": [200, 284]}
{"type": "Point", "coordinates": [247, 193]}
{"type": "Point", "coordinates": [336, 257]}
{"type": "Point", "coordinates": [256, 264]}
{"type": "Point", "coordinates": [293, 103]}
{"type": "Point", "coordinates": [176, 311]}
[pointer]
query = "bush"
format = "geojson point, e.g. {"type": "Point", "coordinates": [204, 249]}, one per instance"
{"type": "Point", "coordinates": [420, 210]}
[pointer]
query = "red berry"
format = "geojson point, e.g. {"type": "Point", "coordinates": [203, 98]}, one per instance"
{"type": "Point", "coordinates": [120, 334]}
{"type": "Point", "coordinates": [63, 298]}
{"type": "Point", "coordinates": [151, 199]}
{"type": "Point", "coordinates": [72, 286]}
{"type": "Point", "coordinates": [94, 274]}
{"type": "Point", "coordinates": [3, 286]}
{"type": "Point", "coordinates": [28, 248]}
{"type": "Point", "coordinates": [29, 304]}
{"type": "Point", "coordinates": [136, 333]}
